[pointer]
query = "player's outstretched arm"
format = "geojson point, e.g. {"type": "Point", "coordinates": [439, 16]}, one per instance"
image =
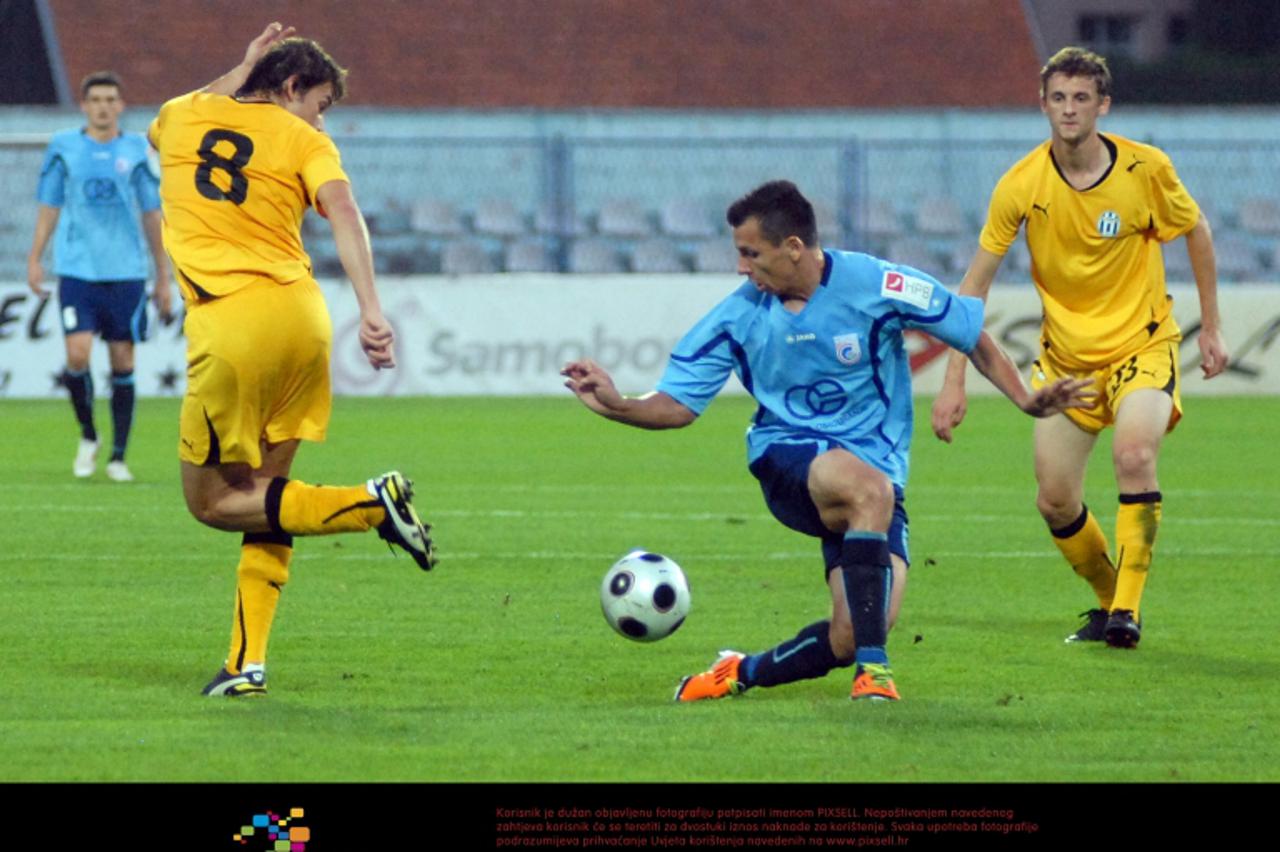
{"type": "Point", "coordinates": [994, 363]}
{"type": "Point", "coordinates": [351, 236]}
{"type": "Point", "coordinates": [951, 404]}
{"type": "Point", "coordinates": [594, 387]}
{"type": "Point", "coordinates": [230, 83]}
{"type": "Point", "coordinates": [1213, 349]}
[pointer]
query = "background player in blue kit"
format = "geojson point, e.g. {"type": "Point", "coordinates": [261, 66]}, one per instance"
{"type": "Point", "coordinates": [816, 337]}
{"type": "Point", "coordinates": [99, 199]}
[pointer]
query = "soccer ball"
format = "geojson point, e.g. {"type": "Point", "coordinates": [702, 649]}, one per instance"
{"type": "Point", "coordinates": [645, 596]}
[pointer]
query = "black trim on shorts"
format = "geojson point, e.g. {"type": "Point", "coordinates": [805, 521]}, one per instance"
{"type": "Point", "coordinates": [1173, 374]}
{"type": "Point", "coordinates": [214, 456]}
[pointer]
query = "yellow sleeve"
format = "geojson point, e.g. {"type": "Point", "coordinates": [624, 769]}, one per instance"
{"type": "Point", "coordinates": [1004, 218]}
{"type": "Point", "coordinates": [1174, 210]}
{"type": "Point", "coordinates": [321, 163]}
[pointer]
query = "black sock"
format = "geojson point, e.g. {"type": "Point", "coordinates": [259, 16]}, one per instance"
{"type": "Point", "coordinates": [808, 655]}
{"type": "Point", "coordinates": [122, 401]}
{"type": "Point", "coordinates": [867, 576]}
{"type": "Point", "coordinates": [80, 386]}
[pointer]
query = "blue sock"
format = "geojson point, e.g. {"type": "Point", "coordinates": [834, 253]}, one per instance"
{"type": "Point", "coordinates": [80, 385]}
{"type": "Point", "coordinates": [806, 656]}
{"type": "Point", "coordinates": [867, 578]}
{"type": "Point", "coordinates": [122, 402]}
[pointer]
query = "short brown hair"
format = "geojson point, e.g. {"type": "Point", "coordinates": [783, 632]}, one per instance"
{"type": "Point", "coordinates": [782, 211]}
{"type": "Point", "coordinates": [1077, 62]}
{"type": "Point", "coordinates": [99, 78]}
{"type": "Point", "coordinates": [300, 56]}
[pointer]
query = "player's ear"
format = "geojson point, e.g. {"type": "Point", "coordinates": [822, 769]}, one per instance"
{"type": "Point", "coordinates": [1105, 106]}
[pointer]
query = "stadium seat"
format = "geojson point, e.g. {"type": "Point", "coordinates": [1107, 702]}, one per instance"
{"type": "Point", "coordinates": [1177, 265]}
{"type": "Point", "coordinates": [464, 257]}
{"type": "Point", "coordinates": [686, 218]}
{"type": "Point", "coordinates": [940, 216]}
{"type": "Point", "coordinates": [658, 256]}
{"type": "Point", "coordinates": [829, 230]}
{"type": "Point", "coordinates": [498, 217]}
{"type": "Point", "coordinates": [623, 217]}
{"type": "Point", "coordinates": [390, 219]}
{"type": "Point", "coordinates": [911, 251]}
{"type": "Point", "coordinates": [716, 256]}
{"type": "Point", "coordinates": [1238, 256]}
{"type": "Point", "coordinates": [882, 220]}
{"type": "Point", "coordinates": [437, 218]}
{"type": "Point", "coordinates": [402, 254]}
{"type": "Point", "coordinates": [529, 256]}
{"type": "Point", "coordinates": [550, 220]}
{"type": "Point", "coordinates": [595, 257]}
{"type": "Point", "coordinates": [1260, 215]}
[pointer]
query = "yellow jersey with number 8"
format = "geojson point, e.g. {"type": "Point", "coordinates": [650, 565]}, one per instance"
{"type": "Point", "coordinates": [1095, 253]}
{"type": "Point", "coordinates": [235, 181]}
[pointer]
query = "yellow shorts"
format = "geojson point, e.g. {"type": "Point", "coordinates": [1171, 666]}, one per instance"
{"type": "Point", "coordinates": [1155, 366]}
{"type": "Point", "coordinates": [257, 369]}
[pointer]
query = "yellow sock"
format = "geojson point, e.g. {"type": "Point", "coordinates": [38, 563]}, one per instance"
{"type": "Point", "coordinates": [300, 509]}
{"type": "Point", "coordinates": [263, 571]}
{"type": "Point", "coordinates": [1137, 521]}
{"type": "Point", "coordinates": [1085, 548]}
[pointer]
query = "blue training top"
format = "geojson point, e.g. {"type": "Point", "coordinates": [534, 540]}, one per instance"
{"type": "Point", "coordinates": [102, 188]}
{"type": "Point", "coordinates": [837, 371]}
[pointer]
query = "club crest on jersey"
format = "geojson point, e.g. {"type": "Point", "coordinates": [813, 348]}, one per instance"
{"type": "Point", "coordinates": [1109, 224]}
{"type": "Point", "coordinates": [906, 288]}
{"type": "Point", "coordinates": [848, 348]}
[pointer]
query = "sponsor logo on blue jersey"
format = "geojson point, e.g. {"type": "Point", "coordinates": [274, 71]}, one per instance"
{"type": "Point", "coordinates": [848, 348]}
{"type": "Point", "coordinates": [820, 399]}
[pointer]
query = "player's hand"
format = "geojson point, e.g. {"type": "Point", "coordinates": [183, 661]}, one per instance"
{"type": "Point", "coordinates": [1213, 352]}
{"type": "Point", "coordinates": [377, 339]}
{"type": "Point", "coordinates": [949, 410]}
{"type": "Point", "coordinates": [274, 32]}
{"type": "Point", "coordinates": [35, 276]}
{"type": "Point", "coordinates": [1060, 395]}
{"type": "Point", "coordinates": [162, 296]}
{"type": "Point", "coordinates": [593, 385]}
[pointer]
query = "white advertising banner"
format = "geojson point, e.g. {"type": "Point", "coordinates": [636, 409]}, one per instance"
{"type": "Point", "coordinates": [510, 334]}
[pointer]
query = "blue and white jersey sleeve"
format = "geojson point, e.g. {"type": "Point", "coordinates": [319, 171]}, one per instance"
{"type": "Point", "coordinates": [52, 188]}
{"type": "Point", "coordinates": [145, 181]}
{"type": "Point", "coordinates": [921, 302]}
{"type": "Point", "coordinates": [704, 358]}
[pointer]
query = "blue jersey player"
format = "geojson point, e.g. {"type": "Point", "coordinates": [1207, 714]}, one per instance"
{"type": "Point", "coordinates": [99, 200]}
{"type": "Point", "coordinates": [816, 337]}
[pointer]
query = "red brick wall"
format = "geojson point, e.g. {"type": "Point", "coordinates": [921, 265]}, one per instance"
{"type": "Point", "coordinates": [740, 54]}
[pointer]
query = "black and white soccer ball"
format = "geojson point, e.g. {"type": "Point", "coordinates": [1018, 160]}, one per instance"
{"type": "Point", "coordinates": [645, 596]}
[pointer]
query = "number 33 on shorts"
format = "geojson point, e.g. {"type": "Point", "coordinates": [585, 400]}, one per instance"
{"type": "Point", "coordinates": [1155, 367]}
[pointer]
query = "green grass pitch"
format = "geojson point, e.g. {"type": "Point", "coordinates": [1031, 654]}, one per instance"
{"type": "Point", "coordinates": [499, 667]}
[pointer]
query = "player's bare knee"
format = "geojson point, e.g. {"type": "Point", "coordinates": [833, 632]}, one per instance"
{"type": "Point", "coordinates": [1057, 508]}
{"type": "Point", "coordinates": [206, 509]}
{"type": "Point", "coordinates": [1135, 460]}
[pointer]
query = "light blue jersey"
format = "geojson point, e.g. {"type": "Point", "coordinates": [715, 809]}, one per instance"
{"type": "Point", "coordinates": [102, 189]}
{"type": "Point", "coordinates": [837, 371]}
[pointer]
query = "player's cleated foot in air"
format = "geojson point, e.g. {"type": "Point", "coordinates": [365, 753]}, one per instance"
{"type": "Point", "coordinates": [1093, 629]}
{"type": "Point", "coordinates": [402, 527]}
{"type": "Point", "coordinates": [86, 459]}
{"type": "Point", "coordinates": [720, 681]}
{"type": "Point", "coordinates": [1122, 631]}
{"type": "Point", "coordinates": [245, 684]}
{"type": "Point", "coordinates": [874, 681]}
{"type": "Point", "coordinates": [118, 471]}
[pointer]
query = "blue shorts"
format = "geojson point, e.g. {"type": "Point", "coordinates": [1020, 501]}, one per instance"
{"type": "Point", "coordinates": [783, 472]}
{"type": "Point", "coordinates": [115, 310]}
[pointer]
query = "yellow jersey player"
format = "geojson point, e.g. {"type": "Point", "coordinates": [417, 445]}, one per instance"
{"type": "Point", "coordinates": [240, 162]}
{"type": "Point", "coordinates": [1096, 210]}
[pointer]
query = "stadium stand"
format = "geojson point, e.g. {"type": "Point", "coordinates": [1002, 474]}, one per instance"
{"type": "Point", "coordinates": [657, 255]}
{"type": "Point", "coordinates": [499, 217]}
{"type": "Point", "coordinates": [464, 257]}
{"type": "Point", "coordinates": [529, 255]}
{"type": "Point", "coordinates": [686, 218]}
{"type": "Point", "coordinates": [623, 217]}
{"type": "Point", "coordinates": [436, 218]}
{"type": "Point", "coordinates": [595, 257]}
{"type": "Point", "coordinates": [715, 256]}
